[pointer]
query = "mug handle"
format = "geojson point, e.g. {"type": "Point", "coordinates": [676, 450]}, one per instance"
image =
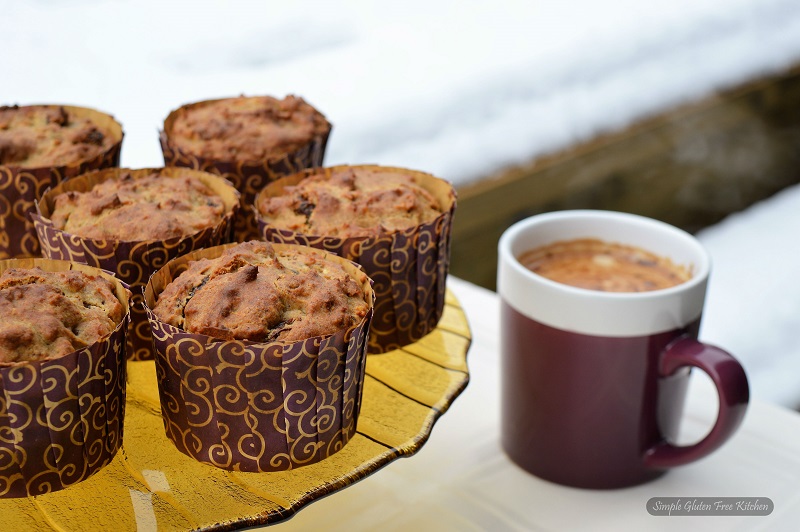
{"type": "Point", "coordinates": [731, 383]}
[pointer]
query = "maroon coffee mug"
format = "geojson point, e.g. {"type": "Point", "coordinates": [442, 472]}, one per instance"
{"type": "Point", "coordinates": [593, 383]}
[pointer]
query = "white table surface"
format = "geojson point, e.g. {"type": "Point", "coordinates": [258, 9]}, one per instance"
{"type": "Point", "coordinates": [461, 480]}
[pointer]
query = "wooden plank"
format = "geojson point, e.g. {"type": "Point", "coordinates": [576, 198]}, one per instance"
{"type": "Point", "coordinates": [690, 166]}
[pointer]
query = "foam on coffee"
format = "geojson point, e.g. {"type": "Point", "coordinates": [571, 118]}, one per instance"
{"type": "Point", "coordinates": [608, 267]}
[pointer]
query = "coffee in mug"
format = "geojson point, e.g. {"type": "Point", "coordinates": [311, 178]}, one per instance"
{"type": "Point", "coordinates": [593, 381]}
{"type": "Point", "coordinates": [606, 266]}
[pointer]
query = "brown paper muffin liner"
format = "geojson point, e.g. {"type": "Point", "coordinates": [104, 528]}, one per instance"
{"type": "Point", "coordinates": [249, 177]}
{"type": "Point", "coordinates": [132, 261]}
{"type": "Point", "coordinates": [409, 267]}
{"type": "Point", "coordinates": [21, 187]}
{"type": "Point", "coordinates": [61, 419]}
{"type": "Point", "coordinates": [251, 406]}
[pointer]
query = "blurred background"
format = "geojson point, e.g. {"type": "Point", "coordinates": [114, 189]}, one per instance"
{"type": "Point", "coordinates": [686, 111]}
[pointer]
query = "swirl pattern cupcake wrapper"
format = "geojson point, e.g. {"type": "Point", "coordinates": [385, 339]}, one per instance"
{"type": "Point", "coordinates": [409, 267]}
{"type": "Point", "coordinates": [252, 406]}
{"type": "Point", "coordinates": [132, 262]}
{"type": "Point", "coordinates": [21, 187]}
{"type": "Point", "coordinates": [249, 177]}
{"type": "Point", "coordinates": [61, 420]}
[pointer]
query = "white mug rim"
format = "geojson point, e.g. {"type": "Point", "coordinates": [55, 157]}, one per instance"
{"type": "Point", "coordinates": [685, 300]}
{"type": "Point", "coordinates": [699, 274]}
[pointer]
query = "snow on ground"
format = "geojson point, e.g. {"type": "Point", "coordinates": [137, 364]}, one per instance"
{"type": "Point", "coordinates": [459, 89]}
{"type": "Point", "coordinates": [455, 88]}
{"type": "Point", "coordinates": [753, 301]}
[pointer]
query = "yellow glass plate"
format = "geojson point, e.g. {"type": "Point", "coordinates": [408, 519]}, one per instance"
{"type": "Point", "coordinates": [150, 485]}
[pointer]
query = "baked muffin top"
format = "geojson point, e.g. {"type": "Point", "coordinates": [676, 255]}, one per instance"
{"type": "Point", "coordinates": [50, 314]}
{"type": "Point", "coordinates": [251, 128]}
{"type": "Point", "coordinates": [256, 292]}
{"type": "Point", "coordinates": [351, 202]}
{"type": "Point", "coordinates": [42, 135]}
{"type": "Point", "coordinates": [150, 207]}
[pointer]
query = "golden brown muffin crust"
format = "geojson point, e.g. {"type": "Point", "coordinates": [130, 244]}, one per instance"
{"type": "Point", "coordinates": [152, 207]}
{"type": "Point", "coordinates": [254, 292]}
{"type": "Point", "coordinates": [252, 128]}
{"type": "Point", "coordinates": [351, 202]}
{"type": "Point", "coordinates": [50, 314]}
{"type": "Point", "coordinates": [39, 136]}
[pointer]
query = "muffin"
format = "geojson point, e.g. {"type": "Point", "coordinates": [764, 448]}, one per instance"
{"type": "Point", "coordinates": [40, 145]}
{"type": "Point", "coordinates": [43, 136]}
{"type": "Point", "coordinates": [282, 329]}
{"type": "Point", "coordinates": [132, 222]}
{"type": "Point", "coordinates": [351, 202]}
{"type": "Point", "coordinates": [251, 292]}
{"type": "Point", "coordinates": [62, 373]}
{"type": "Point", "coordinates": [49, 314]}
{"type": "Point", "coordinates": [394, 222]}
{"type": "Point", "coordinates": [151, 207]}
{"type": "Point", "coordinates": [249, 140]}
